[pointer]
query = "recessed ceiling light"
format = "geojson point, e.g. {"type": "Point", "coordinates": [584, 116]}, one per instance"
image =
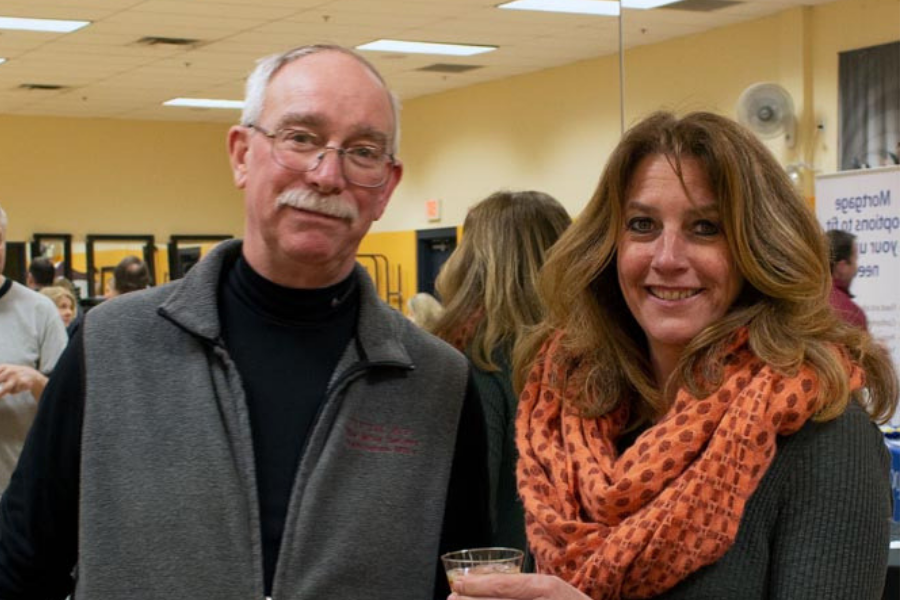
{"type": "Point", "coordinates": [2, 60]}
{"type": "Point", "coordinates": [55, 25]}
{"type": "Point", "coordinates": [607, 8]}
{"type": "Point", "coordinates": [205, 103]}
{"type": "Point", "coordinates": [425, 48]}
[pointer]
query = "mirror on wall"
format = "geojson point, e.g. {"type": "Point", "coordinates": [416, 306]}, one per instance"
{"type": "Point", "coordinates": [103, 253]}
{"type": "Point", "coordinates": [186, 250]}
{"type": "Point", "coordinates": [58, 248]}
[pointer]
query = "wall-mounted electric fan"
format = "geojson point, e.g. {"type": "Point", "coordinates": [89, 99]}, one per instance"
{"type": "Point", "coordinates": [768, 111]}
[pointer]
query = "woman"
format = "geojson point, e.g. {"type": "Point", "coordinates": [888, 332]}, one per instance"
{"type": "Point", "coordinates": [64, 300]}
{"type": "Point", "coordinates": [692, 423]}
{"type": "Point", "coordinates": [488, 288]}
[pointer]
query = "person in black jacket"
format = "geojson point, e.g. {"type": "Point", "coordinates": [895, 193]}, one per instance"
{"type": "Point", "coordinates": [488, 286]}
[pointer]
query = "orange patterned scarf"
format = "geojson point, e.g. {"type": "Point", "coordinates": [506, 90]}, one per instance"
{"type": "Point", "coordinates": [634, 525]}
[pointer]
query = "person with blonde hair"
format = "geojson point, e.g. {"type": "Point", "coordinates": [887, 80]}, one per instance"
{"type": "Point", "coordinates": [64, 300]}
{"type": "Point", "coordinates": [424, 310]}
{"type": "Point", "coordinates": [488, 289]}
{"type": "Point", "coordinates": [695, 421]}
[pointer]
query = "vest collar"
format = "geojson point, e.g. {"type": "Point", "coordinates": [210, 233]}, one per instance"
{"type": "Point", "coordinates": [193, 306]}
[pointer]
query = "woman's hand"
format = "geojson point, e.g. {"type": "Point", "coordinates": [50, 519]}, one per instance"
{"type": "Point", "coordinates": [514, 587]}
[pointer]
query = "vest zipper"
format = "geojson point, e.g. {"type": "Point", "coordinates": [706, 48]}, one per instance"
{"type": "Point", "coordinates": [351, 373]}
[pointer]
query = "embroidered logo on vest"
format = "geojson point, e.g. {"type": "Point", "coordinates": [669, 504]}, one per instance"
{"type": "Point", "coordinates": [372, 437]}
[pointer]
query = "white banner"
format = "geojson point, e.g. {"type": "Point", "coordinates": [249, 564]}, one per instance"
{"type": "Point", "coordinates": [866, 203]}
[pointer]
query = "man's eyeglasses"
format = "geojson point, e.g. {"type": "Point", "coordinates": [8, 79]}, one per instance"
{"type": "Point", "coordinates": [299, 150]}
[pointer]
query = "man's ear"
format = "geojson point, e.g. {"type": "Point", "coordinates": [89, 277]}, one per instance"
{"type": "Point", "coordinates": [238, 153]}
{"type": "Point", "coordinates": [388, 189]}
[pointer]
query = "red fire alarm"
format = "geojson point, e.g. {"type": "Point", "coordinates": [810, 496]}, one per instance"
{"type": "Point", "coordinates": [433, 209]}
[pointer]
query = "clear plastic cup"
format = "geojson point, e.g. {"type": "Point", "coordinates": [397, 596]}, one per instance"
{"type": "Point", "coordinates": [482, 561]}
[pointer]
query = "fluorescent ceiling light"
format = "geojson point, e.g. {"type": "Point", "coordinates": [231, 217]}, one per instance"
{"type": "Point", "coordinates": [646, 4]}
{"type": "Point", "coordinates": [205, 103]}
{"type": "Point", "coordinates": [425, 48]}
{"type": "Point", "coordinates": [55, 25]}
{"type": "Point", "coordinates": [607, 8]}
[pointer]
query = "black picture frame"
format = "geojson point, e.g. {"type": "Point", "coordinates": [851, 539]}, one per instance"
{"type": "Point", "coordinates": [39, 239]}
{"type": "Point", "coordinates": [180, 260]}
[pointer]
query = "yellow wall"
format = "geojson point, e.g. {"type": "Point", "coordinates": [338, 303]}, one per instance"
{"type": "Point", "coordinates": [550, 130]}
{"type": "Point", "coordinates": [553, 130]}
{"type": "Point", "coordinates": [399, 248]}
{"type": "Point", "coordinates": [107, 176]}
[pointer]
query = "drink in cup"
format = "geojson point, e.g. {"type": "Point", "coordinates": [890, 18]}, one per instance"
{"type": "Point", "coordinates": [482, 561]}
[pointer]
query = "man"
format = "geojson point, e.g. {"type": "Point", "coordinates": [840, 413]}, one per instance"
{"type": "Point", "coordinates": [843, 258]}
{"type": "Point", "coordinates": [265, 425]}
{"type": "Point", "coordinates": [32, 337]}
{"type": "Point", "coordinates": [40, 273]}
{"type": "Point", "coordinates": [130, 275]}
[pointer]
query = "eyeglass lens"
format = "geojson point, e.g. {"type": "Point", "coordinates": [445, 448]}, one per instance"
{"type": "Point", "coordinates": [360, 170]}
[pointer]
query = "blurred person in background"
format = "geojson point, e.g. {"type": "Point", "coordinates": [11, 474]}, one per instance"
{"type": "Point", "coordinates": [40, 273]}
{"type": "Point", "coordinates": [844, 258]}
{"type": "Point", "coordinates": [424, 310]}
{"type": "Point", "coordinates": [66, 283]}
{"type": "Point", "coordinates": [32, 337]}
{"type": "Point", "coordinates": [488, 287]}
{"type": "Point", "coordinates": [130, 275]}
{"type": "Point", "coordinates": [64, 300]}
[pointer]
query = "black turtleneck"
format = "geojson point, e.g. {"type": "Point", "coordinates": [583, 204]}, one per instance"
{"type": "Point", "coordinates": [285, 344]}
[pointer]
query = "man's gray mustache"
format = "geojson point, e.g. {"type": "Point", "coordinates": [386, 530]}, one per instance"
{"type": "Point", "coordinates": [333, 206]}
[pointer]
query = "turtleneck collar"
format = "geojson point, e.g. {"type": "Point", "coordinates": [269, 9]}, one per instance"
{"type": "Point", "coordinates": [288, 305]}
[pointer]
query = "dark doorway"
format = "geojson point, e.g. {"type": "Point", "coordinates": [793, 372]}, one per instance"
{"type": "Point", "coordinates": [15, 262]}
{"type": "Point", "coordinates": [433, 248]}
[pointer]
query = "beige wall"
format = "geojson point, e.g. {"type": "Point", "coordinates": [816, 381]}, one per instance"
{"type": "Point", "coordinates": [550, 130]}
{"type": "Point", "coordinates": [84, 176]}
{"type": "Point", "coordinates": [839, 27]}
{"type": "Point", "coordinates": [553, 130]}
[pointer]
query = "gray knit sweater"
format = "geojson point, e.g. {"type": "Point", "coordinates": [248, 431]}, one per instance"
{"type": "Point", "coordinates": [818, 525]}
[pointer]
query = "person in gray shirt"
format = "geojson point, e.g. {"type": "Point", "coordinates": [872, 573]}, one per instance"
{"type": "Point", "coordinates": [32, 337]}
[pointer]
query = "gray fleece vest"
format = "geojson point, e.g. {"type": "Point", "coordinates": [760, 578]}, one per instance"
{"type": "Point", "coordinates": [168, 497]}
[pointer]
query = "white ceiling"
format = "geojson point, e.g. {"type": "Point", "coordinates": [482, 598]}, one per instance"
{"type": "Point", "coordinates": [106, 74]}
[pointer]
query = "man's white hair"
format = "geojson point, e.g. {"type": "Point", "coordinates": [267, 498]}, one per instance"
{"type": "Point", "coordinates": [266, 68]}
{"type": "Point", "coordinates": [3, 223]}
